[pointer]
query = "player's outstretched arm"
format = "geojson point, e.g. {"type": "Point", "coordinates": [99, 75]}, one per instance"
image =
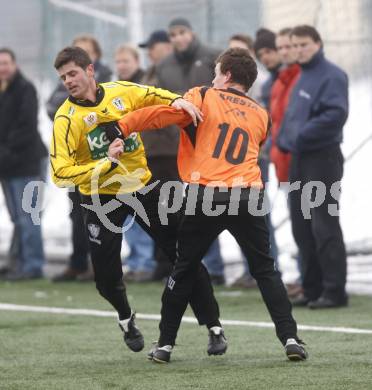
{"type": "Point", "coordinates": [149, 118]}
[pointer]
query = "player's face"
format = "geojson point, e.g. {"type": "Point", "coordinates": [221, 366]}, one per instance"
{"type": "Point", "coordinates": [126, 65]}
{"type": "Point", "coordinates": [287, 54]}
{"type": "Point", "coordinates": [76, 80]}
{"type": "Point", "coordinates": [8, 67]}
{"type": "Point", "coordinates": [158, 51]}
{"type": "Point", "coordinates": [220, 79]}
{"type": "Point", "coordinates": [269, 58]}
{"type": "Point", "coordinates": [305, 48]}
{"type": "Point", "coordinates": [180, 37]}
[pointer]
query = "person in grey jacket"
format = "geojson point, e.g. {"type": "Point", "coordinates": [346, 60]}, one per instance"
{"type": "Point", "coordinates": [312, 131]}
{"type": "Point", "coordinates": [190, 64]}
{"type": "Point", "coordinates": [158, 47]}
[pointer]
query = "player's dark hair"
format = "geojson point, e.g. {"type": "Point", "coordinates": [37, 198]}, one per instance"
{"type": "Point", "coordinates": [10, 52]}
{"type": "Point", "coordinates": [240, 64]}
{"type": "Point", "coordinates": [246, 39]}
{"type": "Point", "coordinates": [72, 54]}
{"type": "Point", "coordinates": [307, 31]}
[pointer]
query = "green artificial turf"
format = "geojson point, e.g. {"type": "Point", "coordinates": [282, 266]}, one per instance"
{"type": "Point", "coordinates": [54, 351]}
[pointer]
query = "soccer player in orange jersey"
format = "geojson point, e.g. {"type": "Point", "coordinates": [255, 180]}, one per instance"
{"type": "Point", "coordinates": [218, 158]}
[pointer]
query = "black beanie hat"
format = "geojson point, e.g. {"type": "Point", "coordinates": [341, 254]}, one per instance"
{"type": "Point", "coordinates": [264, 39]}
{"type": "Point", "coordinates": [177, 22]}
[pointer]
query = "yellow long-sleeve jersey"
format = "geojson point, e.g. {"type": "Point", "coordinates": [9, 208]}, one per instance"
{"type": "Point", "coordinates": [79, 147]}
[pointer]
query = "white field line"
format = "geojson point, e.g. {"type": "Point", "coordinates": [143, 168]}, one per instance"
{"type": "Point", "coordinates": [156, 317]}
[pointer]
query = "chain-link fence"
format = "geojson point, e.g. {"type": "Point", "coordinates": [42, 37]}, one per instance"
{"type": "Point", "coordinates": [37, 29]}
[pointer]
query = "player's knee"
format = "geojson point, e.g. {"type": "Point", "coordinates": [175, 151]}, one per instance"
{"type": "Point", "coordinates": [173, 295]}
{"type": "Point", "coordinates": [106, 287]}
{"type": "Point", "coordinates": [263, 271]}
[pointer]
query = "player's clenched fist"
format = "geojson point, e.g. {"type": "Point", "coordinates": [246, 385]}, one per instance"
{"type": "Point", "coordinates": [116, 148]}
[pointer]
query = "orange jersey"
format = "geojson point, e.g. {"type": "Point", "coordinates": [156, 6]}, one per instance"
{"type": "Point", "coordinates": [223, 148]}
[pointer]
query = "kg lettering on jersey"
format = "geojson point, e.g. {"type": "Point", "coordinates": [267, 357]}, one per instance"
{"type": "Point", "coordinates": [98, 143]}
{"type": "Point", "coordinates": [118, 103]}
{"type": "Point", "coordinates": [90, 119]}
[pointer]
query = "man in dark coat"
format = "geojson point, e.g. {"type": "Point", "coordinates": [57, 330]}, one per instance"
{"type": "Point", "coordinates": [312, 131]}
{"type": "Point", "coordinates": [22, 161]}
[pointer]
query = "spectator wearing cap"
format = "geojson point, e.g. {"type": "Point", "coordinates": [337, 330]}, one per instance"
{"type": "Point", "coordinates": [266, 53]}
{"type": "Point", "coordinates": [190, 64]}
{"type": "Point", "coordinates": [158, 47]}
{"type": "Point", "coordinates": [140, 260]}
{"type": "Point", "coordinates": [265, 49]}
{"type": "Point", "coordinates": [127, 64]}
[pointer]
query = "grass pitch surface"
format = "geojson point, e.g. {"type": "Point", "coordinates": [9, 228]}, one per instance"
{"type": "Point", "coordinates": [56, 351]}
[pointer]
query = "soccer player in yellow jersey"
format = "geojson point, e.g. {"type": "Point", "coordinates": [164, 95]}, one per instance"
{"type": "Point", "coordinates": [83, 155]}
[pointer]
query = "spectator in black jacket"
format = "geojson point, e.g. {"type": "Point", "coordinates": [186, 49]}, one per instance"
{"type": "Point", "coordinates": [22, 160]}
{"type": "Point", "coordinates": [78, 268]}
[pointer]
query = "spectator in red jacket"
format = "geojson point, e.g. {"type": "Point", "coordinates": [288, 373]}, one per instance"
{"type": "Point", "coordinates": [279, 99]}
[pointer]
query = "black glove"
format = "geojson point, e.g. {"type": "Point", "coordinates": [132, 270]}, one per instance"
{"type": "Point", "coordinates": [112, 130]}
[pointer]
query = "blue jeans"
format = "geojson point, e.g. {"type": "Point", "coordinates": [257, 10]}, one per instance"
{"type": "Point", "coordinates": [141, 246]}
{"type": "Point", "coordinates": [28, 245]}
{"type": "Point", "coordinates": [213, 260]}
